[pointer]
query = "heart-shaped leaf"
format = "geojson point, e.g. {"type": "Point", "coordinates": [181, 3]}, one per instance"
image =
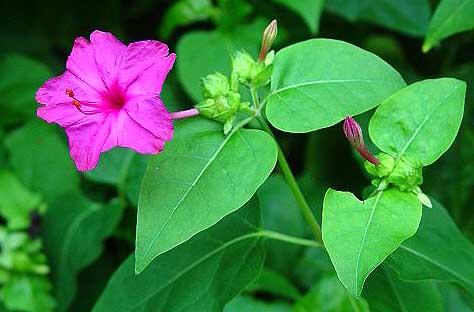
{"type": "Point", "coordinates": [359, 235]}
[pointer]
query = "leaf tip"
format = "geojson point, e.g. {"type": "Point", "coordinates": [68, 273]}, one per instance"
{"type": "Point", "coordinates": [426, 47]}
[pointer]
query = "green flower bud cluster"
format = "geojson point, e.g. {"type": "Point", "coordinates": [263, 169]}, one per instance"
{"type": "Point", "coordinates": [221, 100]}
{"type": "Point", "coordinates": [250, 72]}
{"type": "Point", "coordinates": [401, 173]}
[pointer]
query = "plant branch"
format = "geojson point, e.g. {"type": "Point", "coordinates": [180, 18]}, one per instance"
{"type": "Point", "coordinates": [290, 178]}
{"type": "Point", "coordinates": [289, 239]}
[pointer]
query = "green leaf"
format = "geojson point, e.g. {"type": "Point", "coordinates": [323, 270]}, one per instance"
{"type": "Point", "coordinates": [309, 10]}
{"type": "Point", "coordinates": [20, 77]}
{"type": "Point", "coordinates": [218, 46]}
{"type": "Point", "coordinates": [122, 168]}
{"type": "Point", "coordinates": [274, 283]}
{"type": "Point", "coordinates": [113, 166]}
{"type": "Point", "coordinates": [202, 274]}
{"type": "Point", "coordinates": [3, 153]}
{"type": "Point", "coordinates": [407, 16]}
{"type": "Point", "coordinates": [247, 303]}
{"type": "Point", "coordinates": [16, 202]}
{"type": "Point", "coordinates": [73, 231]}
{"type": "Point", "coordinates": [185, 12]}
{"type": "Point", "coordinates": [232, 13]}
{"type": "Point", "coordinates": [280, 213]}
{"type": "Point", "coordinates": [454, 299]}
{"type": "Point", "coordinates": [386, 292]}
{"type": "Point", "coordinates": [438, 251]}
{"type": "Point", "coordinates": [330, 296]}
{"type": "Point", "coordinates": [27, 293]}
{"type": "Point", "coordinates": [420, 121]}
{"type": "Point", "coordinates": [317, 83]}
{"type": "Point", "coordinates": [450, 17]}
{"type": "Point", "coordinates": [135, 177]}
{"type": "Point", "coordinates": [200, 177]}
{"type": "Point", "coordinates": [312, 266]}
{"type": "Point", "coordinates": [41, 160]}
{"type": "Point", "coordinates": [359, 235]}
{"type": "Point", "coordinates": [172, 94]}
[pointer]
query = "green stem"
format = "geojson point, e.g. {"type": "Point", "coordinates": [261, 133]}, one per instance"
{"type": "Point", "coordinates": [289, 239]}
{"type": "Point", "coordinates": [255, 99]}
{"type": "Point", "coordinates": [289, 177]}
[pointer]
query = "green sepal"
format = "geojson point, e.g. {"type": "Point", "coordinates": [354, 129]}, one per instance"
{"type": "Point", "coordinates": [251, 72]}
{"type": "Point", "coordinates": [406, 175]}
{"type": "Point", "coordinates": [401, 173]}
{"type": "Point", "coordinates": [228, 125]}
{"type": "Point", "coordinates": [263, 78]}
{"type": "Point", "coordinates": [422, 197]}
{"type": "Point", "coordinates": [214, 85]}
{"type": "Point", "coordinates": [384, 168]}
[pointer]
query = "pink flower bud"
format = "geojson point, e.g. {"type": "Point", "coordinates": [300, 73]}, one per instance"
{"type": "Point", "coordinates": [269, 36]}
{"type": "Point", "coordinates": [353, 133]}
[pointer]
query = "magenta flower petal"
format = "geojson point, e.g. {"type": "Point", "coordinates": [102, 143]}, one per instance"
{"type": "Point", "coordinates": [151, 114]}
{"type": "Point", "coordinates": [128, 133]}
{"type": "Point", "coordinates": [108, 51]}
{"type": "Point", "coordinates": [87, 138]}
{"type": "Point", "coordinates": [109, 96]}
{"type": "Point", "coordinates": [56, 105]}
{"type": "Point", "coordinates": [144, 67]}
{"type": "Point", "coordinates": [83, 64]}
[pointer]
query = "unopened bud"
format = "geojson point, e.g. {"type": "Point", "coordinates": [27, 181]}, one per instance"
{"type": "Point", "coordinates": [353, 133]}
{"type": "Point", "coordinates": [214, 85]}
{"type": "Point", "coordinates": [222, 108]}
{"type": "Point", "coordinates": [269, 36]}
{"type": "Point", "coordinates": [245, 67]}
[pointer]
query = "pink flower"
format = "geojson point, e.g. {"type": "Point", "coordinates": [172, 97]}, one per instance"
{"type": "Point", "coordinates": [109, 96]}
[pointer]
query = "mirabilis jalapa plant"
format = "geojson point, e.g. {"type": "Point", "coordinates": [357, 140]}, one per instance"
{"type": "Point", "coordinates": [109, 96]}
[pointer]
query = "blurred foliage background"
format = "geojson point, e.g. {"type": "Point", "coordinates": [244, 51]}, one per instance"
{"type": "Point", "coordinates": [86, 221]}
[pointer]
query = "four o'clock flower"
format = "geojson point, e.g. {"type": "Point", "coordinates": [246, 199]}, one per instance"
{"type": "Point", "coordinates": [353, 133]}
{"type": "Point", "coordinates": [109, 96]}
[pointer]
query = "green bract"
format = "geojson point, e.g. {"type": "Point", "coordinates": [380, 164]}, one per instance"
{"type": "Point", "coordinates": [334, 79]}
{"type": "Point", "coordinates": [402, 173]}
{"type": "Point", "coordinates": [250, 72]}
